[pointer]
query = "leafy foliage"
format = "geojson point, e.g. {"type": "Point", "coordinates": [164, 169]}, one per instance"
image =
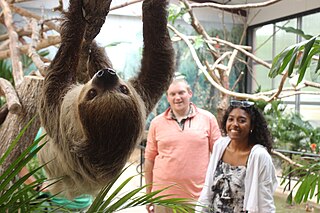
{"type": "Point", "coordinates": [288, 129]}
{"type": "Point", "coordinates": [296, 31]}
{"type": "Point", "coordinates": [308, 183]}
{"type": "Point", "coordinates": [289, 59]}
{"type": "Point", "coordinates": [111, 201]}
{"type": "Point", "coordinates": [14, 195]}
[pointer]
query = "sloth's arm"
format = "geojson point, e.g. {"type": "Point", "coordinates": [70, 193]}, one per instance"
{"type": "Point", "coordinates": [157, 65]}
{"type": "Point", "coordinates": [82, 22]}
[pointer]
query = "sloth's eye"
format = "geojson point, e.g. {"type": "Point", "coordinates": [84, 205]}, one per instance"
{"type": "Point", "coordinates": [124, 89]}
{"type": "Point", "coordinates": [91, 94]}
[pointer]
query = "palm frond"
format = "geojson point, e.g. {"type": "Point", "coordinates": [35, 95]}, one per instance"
{"type": "Point", "coordinates": [111, 201]}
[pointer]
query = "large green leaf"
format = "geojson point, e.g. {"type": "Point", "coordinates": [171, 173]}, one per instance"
{"type": "Point", "coordinates": [295, 31]}
{"type": "Point", "coordinates": [289, 56]}
{"type": "Point", "coordinates": [306, 58]}
{"type": "Point", "coordinates": [318, 65]}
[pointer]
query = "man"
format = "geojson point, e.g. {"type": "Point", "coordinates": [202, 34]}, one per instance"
{"type": "Point", "coordinates": [178, 147]}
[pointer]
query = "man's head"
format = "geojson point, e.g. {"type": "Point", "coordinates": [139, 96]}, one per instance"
{"type": "Point", "coordinates": [178, 96]}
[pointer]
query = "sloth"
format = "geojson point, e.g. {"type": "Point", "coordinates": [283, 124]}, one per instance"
{"type": "Point", "coordinates": [93, 127]}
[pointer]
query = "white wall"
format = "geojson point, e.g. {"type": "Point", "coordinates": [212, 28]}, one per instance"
{"type": "Point", "coordinates": [281, 9]}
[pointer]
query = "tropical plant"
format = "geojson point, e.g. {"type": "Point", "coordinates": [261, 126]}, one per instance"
{"type": "Point", "coordinates": [288, 128]}
{"type": "Point", "coordinates": [111, 201]}
{"type": "Point", "coordinates": [307, 185]}
{"type": "Point", "coordinates": [289, 59]}
{"type": "Point", "coordinates": [14, 195]}
{"type": "Point", "coordinates": [300, 134]}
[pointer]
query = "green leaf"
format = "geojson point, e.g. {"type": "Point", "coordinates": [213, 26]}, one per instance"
{"type": "Point", "coordinates": [17, 165]}
{"type": "Point", "coordinates": [116, 191]}
{"type": "Point", "coordinates": [295, 31]}
{"type": "Point", "coordinates": [313, 185]}
{"type": "Point", "coordinates": [293, 62]}
{"type": "Point", "coordinates": [304, 63]}
{"type": "Point", "coordinates": [318, 65]}
{"type": "Point", "coordinates": [13, 144]}
{"type": "Point", "coordinates": [102, 194]}
{"type": "Point", "coordinates": [289, 198]}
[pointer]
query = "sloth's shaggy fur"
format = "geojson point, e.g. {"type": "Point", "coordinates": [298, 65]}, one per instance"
{"type": "Point", "coordinates": [92, 128]}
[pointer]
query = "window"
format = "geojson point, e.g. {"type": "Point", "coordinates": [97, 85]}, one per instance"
{"type": "Point", "coordinates": [269, 40]}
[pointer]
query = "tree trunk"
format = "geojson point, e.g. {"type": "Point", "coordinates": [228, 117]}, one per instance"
{"type": "Point", "coordinates": [28, 92]}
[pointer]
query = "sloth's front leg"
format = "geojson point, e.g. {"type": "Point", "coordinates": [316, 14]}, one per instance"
{"type": "Point", "coordinates": [95, 12]}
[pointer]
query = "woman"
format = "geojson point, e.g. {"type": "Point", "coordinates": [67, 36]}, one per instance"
{"type": "Point", "coordinates": [240, 176]}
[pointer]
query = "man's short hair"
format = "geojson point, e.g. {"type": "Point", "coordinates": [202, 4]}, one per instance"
{"type": "Point", "coordinates": [180, 78]}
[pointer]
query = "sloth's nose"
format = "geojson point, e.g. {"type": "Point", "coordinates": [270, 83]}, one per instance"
{"type": "Point", "coordinates": [106, 72]}
{"type": "Point", "coordinates": [106, 78]}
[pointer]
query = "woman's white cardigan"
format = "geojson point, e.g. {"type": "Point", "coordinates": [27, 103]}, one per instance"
{"type": "Point", "coordinates": [260, 180]}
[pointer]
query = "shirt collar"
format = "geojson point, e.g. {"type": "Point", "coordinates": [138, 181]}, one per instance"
{"type": "Point", "coordinates": [192, 112]}
{"type": "Point", "coordinates": [173, 116]}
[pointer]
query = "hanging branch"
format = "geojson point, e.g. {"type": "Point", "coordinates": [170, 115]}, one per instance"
{"type": "Point", "coordinates": [13, 103]}
{"type": "Point", "coordinates": [199, 28]}
{"type": "Point", "coordinates": [237, 81]}
{"type": "Point", "coordinates": [285, 158]}
{"type": "Point", "coordinates": [26, 13]}
{"type": "Point", "coordinates": [234, 7]}
{"type": "Point", "coordinates": [210, 79]}
{"type": "Point", "coordinates": [231, 61]}
{"type": "Point", "coordinates": [125, 4]}
{"type": "Point", "coordinates": [21, 32]}
{"type": "Point", "coordinates": [220, 67]}
{"type": "Point", "coordinates": [213, 74]}
{"type": "Point", "coordinates": [312, 84]}
{"type": "Point", "coordinates": [32, 53]}
{"type": "Point", "coordinates": [283, 79]}
{"type": "Point", "coordinates": [250, 55]}
{"type": "Point", "coordinates": [17, 71]}
{"type": "Point", "coordinates": [52, 40]}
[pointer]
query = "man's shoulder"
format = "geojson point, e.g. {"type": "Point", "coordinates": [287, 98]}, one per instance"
{"type": "Point", "coordinates": [205, 112]}
{"type": "Point", "coordinates": [159, 118]}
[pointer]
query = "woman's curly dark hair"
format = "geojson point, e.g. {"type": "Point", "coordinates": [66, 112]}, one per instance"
{"type": "Point", "coordinates": [260, 133]}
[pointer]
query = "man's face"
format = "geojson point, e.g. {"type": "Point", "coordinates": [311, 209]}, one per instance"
{"type": "Point", "coordinates": [179, 97]}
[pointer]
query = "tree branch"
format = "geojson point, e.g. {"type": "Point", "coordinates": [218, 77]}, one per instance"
{"type": "Point", "coordinates": [253, 57]}
{"type": "Point", "coordinates": [26, 13]}
{"type": "Point", "coordinates": [32, 53]}
{"type": "Point", "coordinates": [125, 4]}
{"type": "Point", "coordinates": [198, 27]}
{"type": "Point", "coordinates": [234, 7]}
{"type": "Point", "coordinates": [12, 99]}
{"type": "Point", "coordinates": [285, 158]}
{"type": "Point", "coordinates": [203, 69]}
{"type": "Point", "coordinates": [52, 40]}
{"type": "Point", "coordinates": [283, 79]}
{"type": "Point", "coordinates": [17, 71]}
{"type": "Point", "coordinates": [231, 61]}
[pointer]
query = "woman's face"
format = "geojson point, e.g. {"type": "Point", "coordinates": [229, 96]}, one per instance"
{"type": "Point", "coordinates": [238, 124]}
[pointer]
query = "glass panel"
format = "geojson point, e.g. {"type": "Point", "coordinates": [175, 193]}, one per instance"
{"type": "Point", "coordinates": [311, 113]}
{"type": "Point", "coordinates": [310, 75]}
{"type": "Point", "coordinates": [262, 45]}
{"type": "Point", "coordinates": [311, 24]}
{"type": "Point", "coordinates": [282, 38]}
{"type": "Point", "coordinates": [260, 78]}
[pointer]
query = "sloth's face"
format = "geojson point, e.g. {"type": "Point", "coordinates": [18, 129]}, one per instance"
{"type": "Point", "coordinates": [105, 80]}
{"type": "Point", "coordinates": [108, 105]}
